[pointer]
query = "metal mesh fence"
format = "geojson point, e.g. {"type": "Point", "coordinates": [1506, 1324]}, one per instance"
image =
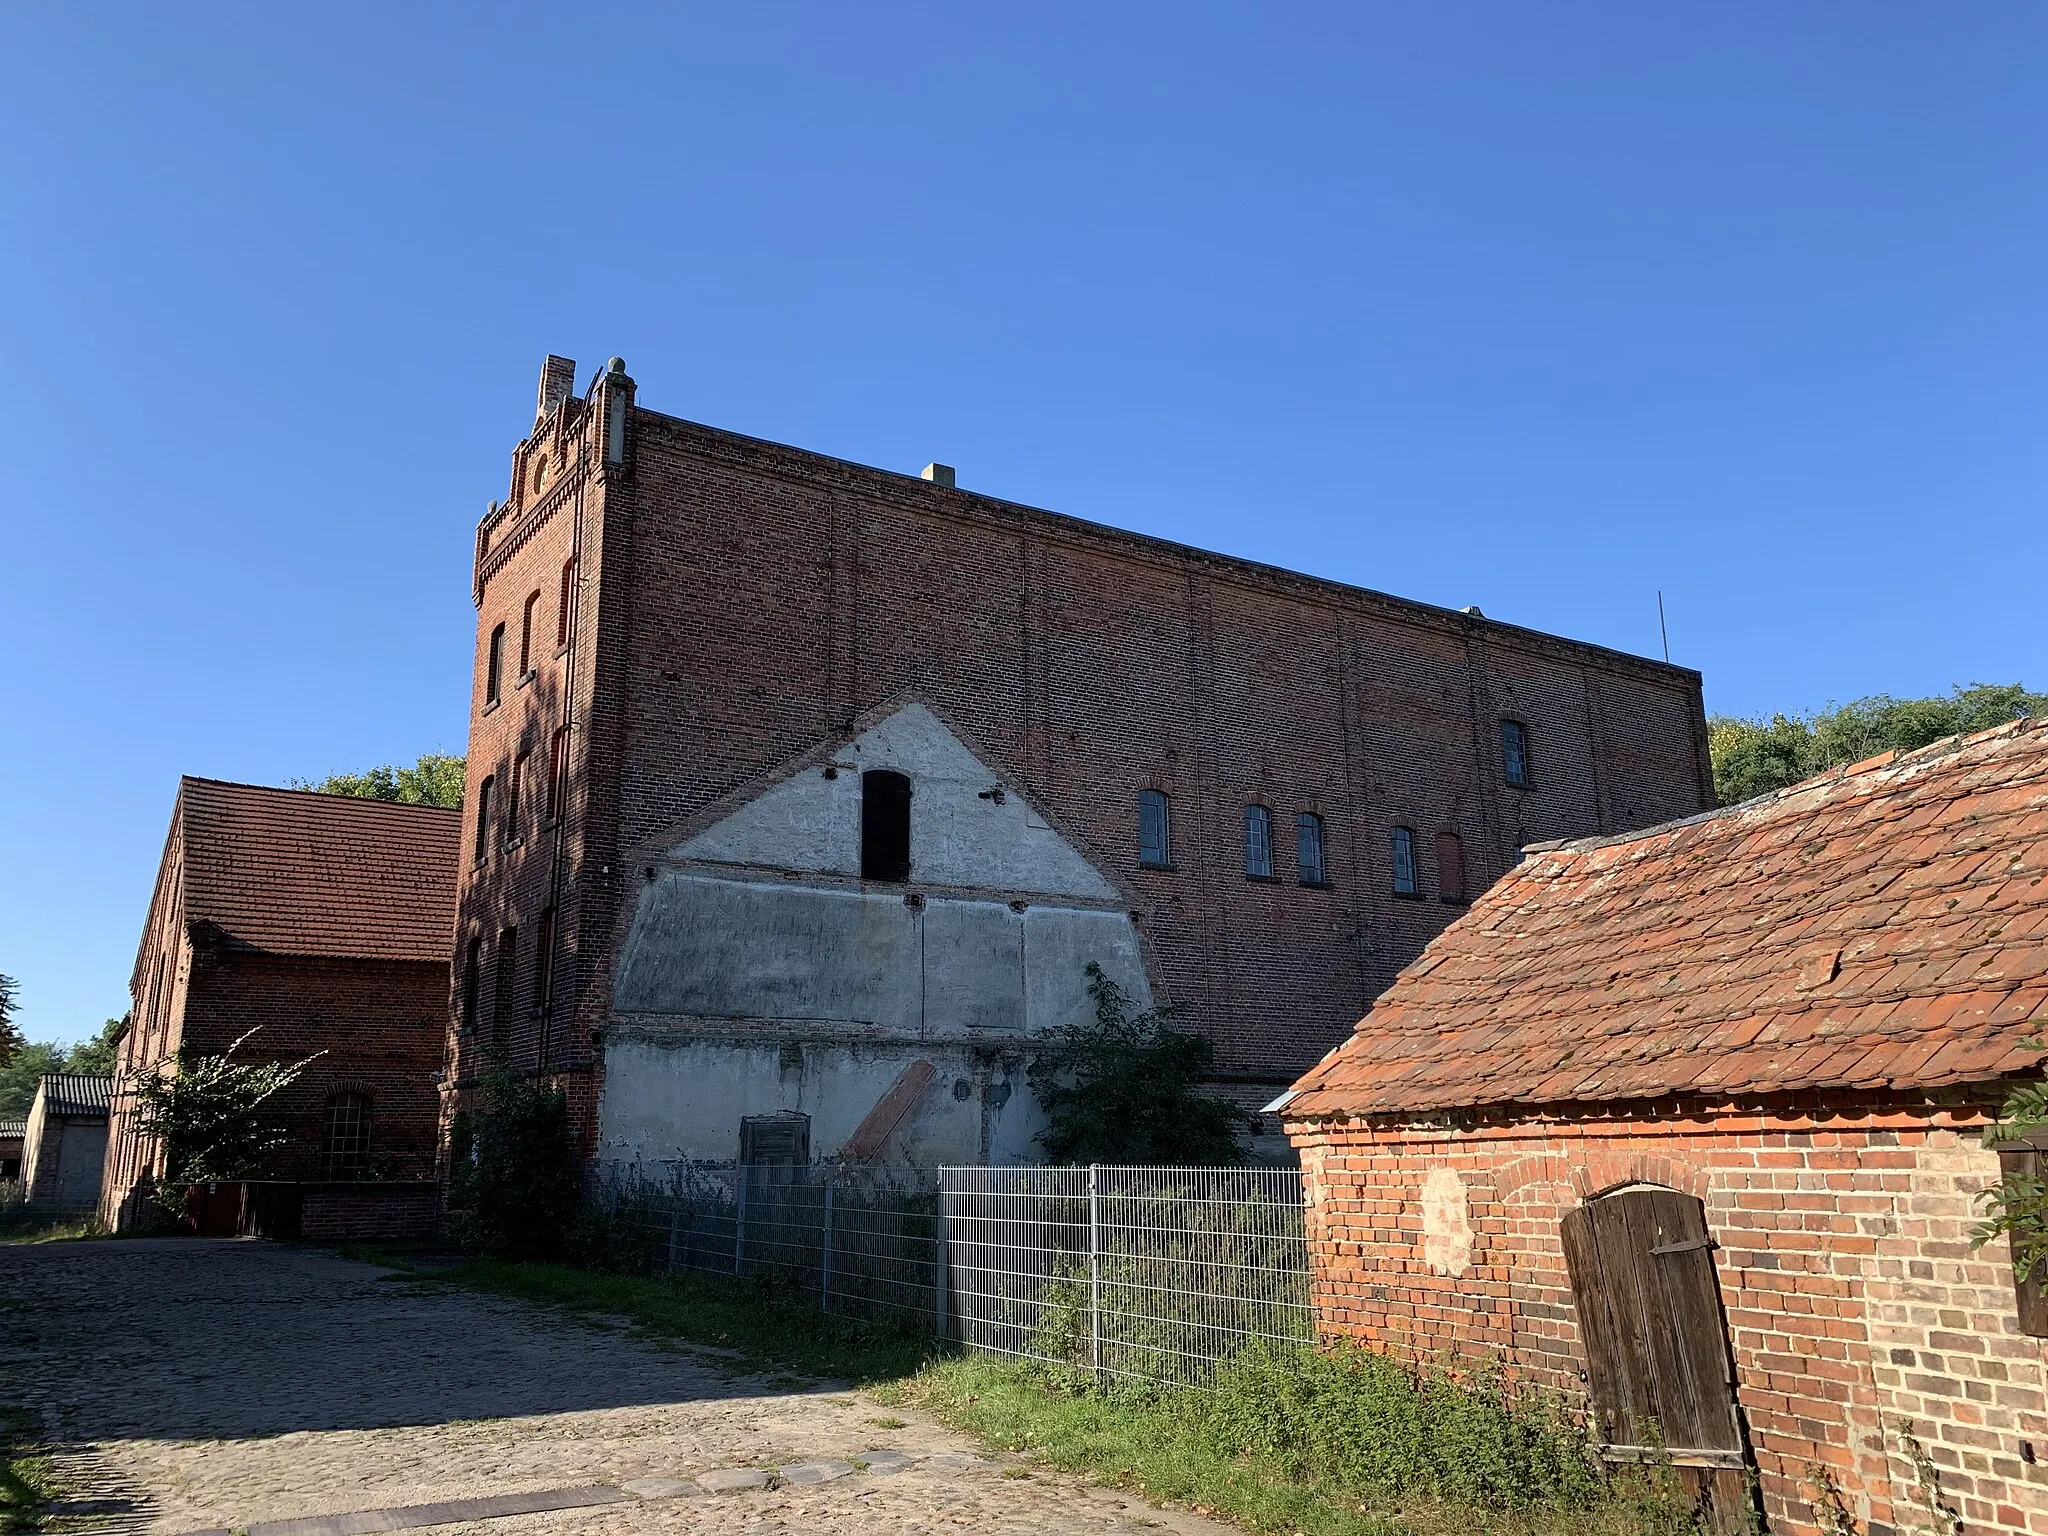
{"type": "Point", "coordinates": [1156, 1273]}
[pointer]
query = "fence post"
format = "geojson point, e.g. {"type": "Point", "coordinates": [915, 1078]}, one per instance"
{"type": "Point", "coordinates": [939, 1256]}
{"type": "Point", "coordinates": [675, 1223]}
{"type": "Point", "coordinates": [825, 1271]}
{"type": "Point", "coordinates": [739, 1225]}
{"type": "Point", "coordinates": [1095, 1268]}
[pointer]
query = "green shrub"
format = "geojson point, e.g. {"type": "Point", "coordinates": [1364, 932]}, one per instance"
{"type": "Point", "coordinates": [512, 1183]}
{"type": "Point", "coordinates": [1363, 1421]}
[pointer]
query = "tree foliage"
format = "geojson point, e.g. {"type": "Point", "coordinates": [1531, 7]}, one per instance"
{"type": "Point", "coordinates": [1123, 1087]}
{"type": "Point", "coordinates": [436, 779]}
{"type": "Point", "coordinates": [11, 1043]}
{"type": "Point", "coordinates": [212, 1115]}
{"type": "Point", "coordinates": [512, 1183]}
{"type": "Point", "coordinates": [1754, 757]}
{"type": "Point", "coordinates": [33, 1060]}
{"type": "Point", "coordinates": [2017, 1205]}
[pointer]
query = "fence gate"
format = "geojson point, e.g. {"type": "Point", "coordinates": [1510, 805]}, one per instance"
{"type": "Point", "coordinates": [1660, 1375]}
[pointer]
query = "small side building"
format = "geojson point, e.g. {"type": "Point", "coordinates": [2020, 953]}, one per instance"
{"type": "Point", "coordinates": [1688, 1123]}
{"type": "Point", "coordinates": [11, 1134]}
{"type": "Point", "coordinates": [303, 925]}
{"type": "Point", "coordinates": [64, 1142]}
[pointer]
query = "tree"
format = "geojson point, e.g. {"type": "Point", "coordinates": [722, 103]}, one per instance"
{"type": "Point", "coordinates": [1754, 757]}
{"type": "Point", "coordinates": [512, 1183]}
{"type": "Point", "coordinates": [97, 1056]}
{"type": "Point", "coordinates": [2018, 1203]}
{"type": "Point", "coordinates": [435, 780]}
{"type": "Point", "coordinates": [210, 1114]}
{"type": "Point", "coordinates": [1123, 1088]}
{"type": "Point", "coordinates": [11, 1042]}
{"type": "Point", "coordinates": [27, 1067]}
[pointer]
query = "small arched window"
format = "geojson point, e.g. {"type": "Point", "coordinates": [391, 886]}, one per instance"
{"type": "Point", "coordinates": [884, 825]}
{"type": "Point", "coordinates": [526, 632]}
{"type": "Point", "coordinates": [514, 790]}
{"type": "Point", "coordinates": [1308, 848]}
{"type": "Point", "coordinates": [494, 666]}
{"type": "Point", "coordinates": [558, 771]}
{"type": "Point", "coordinates": [346, 1144]}
{"type": "Point", "coordinates": [483, 816]}
{"type": "Point", "coordinates": [472, 983]}
{"type": "Point", "coordinates": [1258, 842]}
{"type": "Point", "coordinates": [1403, 842]}
{"type": "Point", "coordinates": [1155, 846]}
{"type": "Point", "coordinates": [1450, 866]}
{"type": "Point", "coordinates": [507, 982]}
{"type": "Point", "coordinates": [565, 613]}
{"type": "Point", "coordinates": [1514, 753]}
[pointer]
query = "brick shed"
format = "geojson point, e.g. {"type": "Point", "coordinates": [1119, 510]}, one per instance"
{"type": "Point", "coordinates": [1689, 1121]}
{"type": "Point", "coordinates": [324, 923]}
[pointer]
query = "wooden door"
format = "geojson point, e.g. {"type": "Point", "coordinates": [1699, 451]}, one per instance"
{"type": "Point", "coordinates": [1659, 1372]}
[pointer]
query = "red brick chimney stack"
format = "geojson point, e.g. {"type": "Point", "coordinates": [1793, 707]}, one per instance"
{"type": "Point", "coordinates": [557, 383]}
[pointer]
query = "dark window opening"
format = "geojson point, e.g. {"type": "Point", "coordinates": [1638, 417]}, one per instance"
{"type": "Point", "coordinates": [1404, 862]}
{"type": "Point", "coordinates": [544, 962]}
{"type": "Point", "coordinates": [1258, 842]}
{"type": "Point", "coordinates": [1154, 849]}
{"type": "Point", "coordinates": [1514, 753]}
{"type": "Point", "coordinates": [558, 772]}
{"type": "Point", "coordinates": [512, 795]}
{"type": "Point", "coordinates": [884, 825]}
{"type": "Point", "coordinates": [494, 667]}
{"type": "Point", "coordinates": [507, 988]}
{"type": "Point", "coordinates": [1450, 866]}
{"type": "Point", "coordinates": [472, 983]}
{"type": "Point", "coordinates": [346, 1145]}
{"type": "Point", "coordinates": [565, 613]}
{"type": "Point", "coordinates": [483, 817]}
{"type": "Point", "coordinates": [1308, 844]}
{"type": "Point", "coordinates": [526, 633]}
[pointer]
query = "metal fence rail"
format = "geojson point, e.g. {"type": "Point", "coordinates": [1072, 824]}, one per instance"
{"type": "Point", "coordinates": [1142, 1272]}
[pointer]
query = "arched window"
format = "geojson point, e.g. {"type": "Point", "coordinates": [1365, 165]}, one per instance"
{"type": "Point", "coordinates": [566, 612]}
{"type": "Point", "coordinates": [345, 1147]}
{"type": "Point", "coordinates": [507, 981]}
{"type": "Point", "coordinates": [1403, 842]}
{"type": "Point", "coordinates": [1155, 846]}
{"type": "Point", "coordinates": [544, 962]}
{"type": "Point", "coordinates": [526, 632]}
{"type": "Point", "coordinates": [558, 772]}
{"type": "Point", "coordinates": [472, 983]}
{"type": "Point", "coordinates": [514, 789]}
{"type": "Point", "coordinates": [494, 666]}
{"type": "Point", "coordinates": [1450, 866]}
{"type": "Point", "coordinates": [1514, 753]}
{"type": "Point", "coordinates": [1258, 842]}
{"type": "Point", "coordinates": [1308, 847]}
{"type": "Point", "coordinates": [483, 816]}
{"type": "Point", "coordinates": [884, 825]}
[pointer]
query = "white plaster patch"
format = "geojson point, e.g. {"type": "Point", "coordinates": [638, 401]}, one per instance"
{"type": "Point", "coordinates": [1446, 1223]}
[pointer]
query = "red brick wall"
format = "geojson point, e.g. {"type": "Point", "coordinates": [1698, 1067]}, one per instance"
{"type": "Point", "coordinates": [742, 601]}
{"type": "Point", "coordinates": [342, 1213]}
{"type": "Point", "coordinates": [1857, 1310]}
{"type": "Point", "coordinates": [376, 1026]}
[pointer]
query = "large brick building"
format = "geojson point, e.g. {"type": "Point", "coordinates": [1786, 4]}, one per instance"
{"type": "Point", "coordinates": [1689, 1121]}
{"type": "Point", "coordinates": [321, 923]}
{"type": "Point", "coordinates": [802, 787]}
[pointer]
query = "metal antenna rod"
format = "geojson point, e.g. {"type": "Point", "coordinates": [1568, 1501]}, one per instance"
{"type": "Point", "coordinates": [1662, 630]}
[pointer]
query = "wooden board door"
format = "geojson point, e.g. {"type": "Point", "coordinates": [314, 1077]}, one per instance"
{"type": "Point", "coordinates": [1658, 1368]}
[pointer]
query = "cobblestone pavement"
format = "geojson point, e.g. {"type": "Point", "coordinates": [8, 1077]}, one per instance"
{"type": "Point", "coordinates": [212, 1384]}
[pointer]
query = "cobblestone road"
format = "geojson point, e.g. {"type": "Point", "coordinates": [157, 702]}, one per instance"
{"type": "Point", "coordinates": [210, 1385]}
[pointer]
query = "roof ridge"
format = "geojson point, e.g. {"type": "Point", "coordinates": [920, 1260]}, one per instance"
{"type": "Point", "coordinates": [319, 794]}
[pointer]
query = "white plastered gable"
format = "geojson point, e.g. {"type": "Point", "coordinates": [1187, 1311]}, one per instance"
{"type": "Point", "coordinates": [967, 828]}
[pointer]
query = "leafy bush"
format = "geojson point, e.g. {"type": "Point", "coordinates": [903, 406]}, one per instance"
{"type": "Point", "coordinates": [1123, 1087]}
{"type": "Point", "coordinates": [211, 1114]}
{"type": "Point", "coordinates": [1754, 757]}
{"type": "Point", "coordinates": [512, 1184]}
{"type": "Point", "coordinates": [1363, 1421]}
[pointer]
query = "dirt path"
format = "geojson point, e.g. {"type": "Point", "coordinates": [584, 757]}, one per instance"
{"type": "Point", "coordinates": [216, 1386]}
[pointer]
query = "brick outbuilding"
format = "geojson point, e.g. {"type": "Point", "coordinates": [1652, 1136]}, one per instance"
{"type": "Point", "coordinates": [1689, 1122]}
{"type": "Point", "coordinates": [322, 923]}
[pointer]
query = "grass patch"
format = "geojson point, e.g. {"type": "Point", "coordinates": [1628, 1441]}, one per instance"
{"type": "Point", "coordinates": [762, 1331]}
{"type": "Point", "coordinates": [25, 1224]}
{"type": "Point", "coordinates": [1188, 1448]}
{"type": "Point", "coordinates": [26, 1486]}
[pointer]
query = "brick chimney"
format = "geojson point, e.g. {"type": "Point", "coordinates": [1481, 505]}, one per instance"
{"type": "Point", "coordinates": [557, 382]}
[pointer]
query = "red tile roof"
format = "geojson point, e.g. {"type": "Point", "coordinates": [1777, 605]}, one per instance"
{"type": "Point", "coordinates": [298, 873]}
{"type": "Point", "coordinates": [1881, 926]}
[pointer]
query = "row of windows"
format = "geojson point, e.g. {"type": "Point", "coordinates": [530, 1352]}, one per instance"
{"type": "Point", "coordinates": [510, 828]}
{"type": "Point", "coordinates": [505, 980]}
{"type": "Point", "coordinates": [494, 667]}
{"type": "Point", "coordinates": [1155, 848]}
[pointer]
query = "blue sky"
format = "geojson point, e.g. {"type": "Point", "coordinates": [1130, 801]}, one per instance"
{"type": "Point", "coordinates": [1543, 308]}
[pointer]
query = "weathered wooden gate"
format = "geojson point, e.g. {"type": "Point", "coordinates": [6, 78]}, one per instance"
{"type": "Point", "coordinates": [1659, 1372]}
